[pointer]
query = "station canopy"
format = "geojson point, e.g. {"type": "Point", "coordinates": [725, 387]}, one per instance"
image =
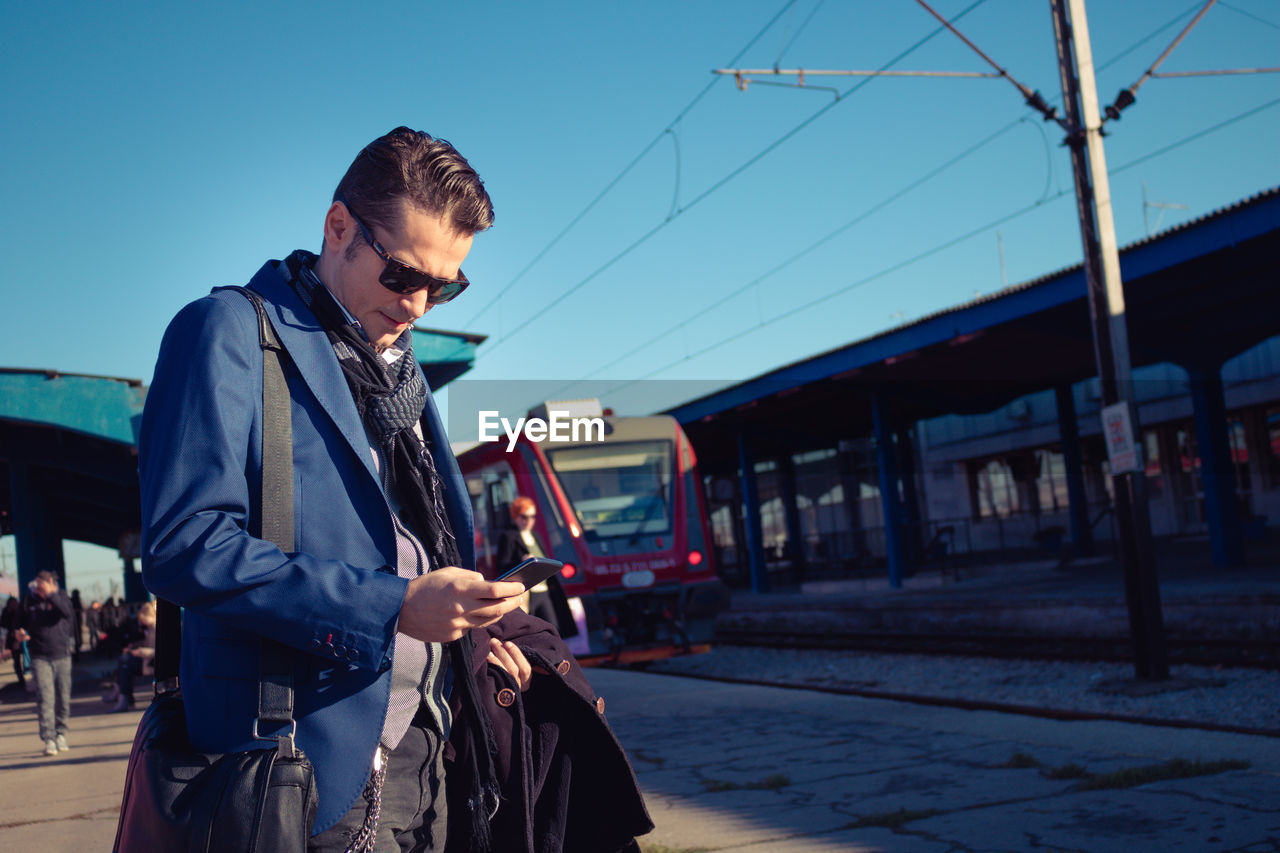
{"type": "Point", "coordinates": [1196, 294]}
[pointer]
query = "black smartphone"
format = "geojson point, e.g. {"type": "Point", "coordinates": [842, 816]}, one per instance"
{"type": "Point", "coordinates": [532, 571]}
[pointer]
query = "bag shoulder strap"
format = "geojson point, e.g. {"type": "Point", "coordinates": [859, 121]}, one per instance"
{"type": "Point", "coordinates": [275, 683]}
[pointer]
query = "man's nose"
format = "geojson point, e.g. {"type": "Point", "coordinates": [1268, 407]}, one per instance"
{"type": "Point", "coordinates": [415, 304]}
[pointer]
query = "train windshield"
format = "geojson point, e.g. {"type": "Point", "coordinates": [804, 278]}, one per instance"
{"type": "Point", "coordinates": [618, 489]}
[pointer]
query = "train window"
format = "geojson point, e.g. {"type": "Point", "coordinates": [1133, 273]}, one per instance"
{"type": "Point", "coordinates": [500, 491]}
{"type": "Point", "coordinates": [622, 489]}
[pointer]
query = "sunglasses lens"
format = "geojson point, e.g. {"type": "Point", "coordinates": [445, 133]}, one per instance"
{"type": "Point", "coordinates": [447, 291]}
{"type": "Point", "coordinates": [396, 278]}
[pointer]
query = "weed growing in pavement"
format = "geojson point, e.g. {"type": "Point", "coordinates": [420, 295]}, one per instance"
{"type": "Point", "coordinates": [1066, 771]}
{"type": "Point", "coordinates": [892, 820]}
{"type": "Point", "coordinates": [1021, 760]}
{"type": "Point", "coordinates": [1178, 768]}
{"type": "Point", "coordinates": [769, 783]}
{"type": "Point", "coordinates": [643, 755]}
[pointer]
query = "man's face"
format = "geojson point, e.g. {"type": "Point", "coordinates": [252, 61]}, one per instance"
{"type": "Point", "coordinates": [45, 588]}
{"type": "Point", "coordinates": [421, 240]}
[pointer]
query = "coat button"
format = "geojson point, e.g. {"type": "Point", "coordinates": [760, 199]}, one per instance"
{"type": "Point", "coordinates": [562, 667]}
{"type": "Point", "coordinates": [328, 647]}
{"type": "Point", "coordinates": [506, 697]}
{"type": "Point", "coordinates": [599, 704]}
{"type": "Point", "coordinates": [340, 651]}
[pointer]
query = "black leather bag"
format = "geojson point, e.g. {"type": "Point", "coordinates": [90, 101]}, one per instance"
{"type": "Point", "coordinates": [263, 800]}
{"type": "Point", "coordinates": [177, 799]}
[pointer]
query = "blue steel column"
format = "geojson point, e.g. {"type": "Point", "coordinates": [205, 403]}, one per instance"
{"type": "Point", "coordinates": [134, 589]}
{"type": "Point", "coordinates": [852, 492]}
{"type": "Point", "coordinates": [913, 524]}
{"type": "Point", "coordinates": [36, 543]}
{"type": "Point", "coordinates": [791, 508]}
{"type": "Point", "coordinates": [886, 462]}
{"type": "Point", "coordinates": [1221, 506]}
{"type": "Point", "coordinates": [1073, 462]}
{"type": "Point", "coordinates": [751, 516]}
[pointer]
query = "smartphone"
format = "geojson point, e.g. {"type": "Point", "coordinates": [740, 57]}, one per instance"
{"type": "Point", "coordinates": [532, 571]}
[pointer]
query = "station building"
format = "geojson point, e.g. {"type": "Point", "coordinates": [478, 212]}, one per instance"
{"type": "Point", "coordinates": [974, 433]}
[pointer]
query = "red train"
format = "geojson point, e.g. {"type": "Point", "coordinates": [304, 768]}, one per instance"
{"type": "Point", "coordinates": [623, 509]}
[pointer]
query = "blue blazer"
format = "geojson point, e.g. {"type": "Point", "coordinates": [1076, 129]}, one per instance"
{"type": "Point", "coordinates": [334, 600]}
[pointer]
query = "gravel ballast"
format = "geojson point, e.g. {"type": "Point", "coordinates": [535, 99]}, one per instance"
{"type": "Point", "coordinates": [1219, 696]}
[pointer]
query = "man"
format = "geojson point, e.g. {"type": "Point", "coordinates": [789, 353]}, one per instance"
{"type": "Point", "coordinates": [374, 587]}
{"type": "Point", "coordinates": [45, 623]}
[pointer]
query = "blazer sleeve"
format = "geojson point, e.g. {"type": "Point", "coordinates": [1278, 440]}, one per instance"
{"type": "Point", "coordinates": [196, 463]}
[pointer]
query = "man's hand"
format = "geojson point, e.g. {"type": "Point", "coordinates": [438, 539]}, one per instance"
{"type": "Point", "coordinates": [441, 606]}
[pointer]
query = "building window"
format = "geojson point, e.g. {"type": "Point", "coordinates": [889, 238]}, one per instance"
{"type": "Point", "coordinates": [997, 491]}
{"type": "Point", "coordinates": [1155, 473]}
{"type": "Point", "coordinates": [1051, 481]}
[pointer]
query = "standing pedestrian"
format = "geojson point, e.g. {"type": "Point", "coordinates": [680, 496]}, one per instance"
{"type": "Point", "coordinates": [11, 622]}
{"type": "Point", "coordinates": [46, 620]}
{"type": "Point", "coordinates": [77, 624]}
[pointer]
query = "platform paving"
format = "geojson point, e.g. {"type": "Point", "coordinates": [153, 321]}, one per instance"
{"type": "Point", "coordinates": [730, 767]}
{"type": "Point", "coordinates": [69, 802]}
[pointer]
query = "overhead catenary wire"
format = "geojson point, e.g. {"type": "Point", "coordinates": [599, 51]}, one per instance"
{"type": "Point", "coordinates": [800, 30]}
{"type": "Point", "coordinates": [625, 171]}
{"type": "Point", "coordinates": [1257, 18]}
{"type": "Point", "coordinates": [1214, 73]}
{"type": "Point", "coordinates": [862, 217]}
{"type": "Point", "coordinates": [529, 321]}
{"type": "Point", "coordinates": [883, 203]}
{"type": "Point", "coordinates": [644, 238]}
{"type": "Point", "coordinates": [1128, 96]}
{"type": "Point", "coordinates": [940, 247]}
{"type": "Point", "coordinates": [875, 208]}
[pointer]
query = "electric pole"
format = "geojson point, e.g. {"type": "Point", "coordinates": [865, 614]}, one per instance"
{"type": "Point", "coordinates": [1110, 336]}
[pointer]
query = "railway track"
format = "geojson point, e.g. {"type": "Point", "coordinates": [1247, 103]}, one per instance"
{"type": "Point", "coordinates": [1263, 654]}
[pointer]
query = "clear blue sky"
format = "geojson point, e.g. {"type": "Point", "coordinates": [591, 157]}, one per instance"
{"type": "Point", "coordinates": [151, 151]}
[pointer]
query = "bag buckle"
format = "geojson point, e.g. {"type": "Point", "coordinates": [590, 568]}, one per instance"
{"type": "Point", "coordinates": [284, 742]}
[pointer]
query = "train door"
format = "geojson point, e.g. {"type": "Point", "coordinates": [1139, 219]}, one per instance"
{"type": "Point", "coordinates": [492, 490]}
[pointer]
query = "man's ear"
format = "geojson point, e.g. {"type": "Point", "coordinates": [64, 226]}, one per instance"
{"type": "Point", "coordinates": [338, 226]}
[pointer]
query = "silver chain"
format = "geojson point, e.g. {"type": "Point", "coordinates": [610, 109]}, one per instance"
{"type": "Point", "coordinates": [363, 841]}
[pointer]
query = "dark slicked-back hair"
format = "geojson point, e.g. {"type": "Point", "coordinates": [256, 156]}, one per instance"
{"type": "Point", "coordinates": [429, 173]}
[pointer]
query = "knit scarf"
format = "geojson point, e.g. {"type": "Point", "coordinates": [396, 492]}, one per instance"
{"type": "Point", "coordinates": [390, 400]}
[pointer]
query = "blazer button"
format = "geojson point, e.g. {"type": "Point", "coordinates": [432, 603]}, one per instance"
{"type": "Point", "coordinates": [562, 667]}
{"type": "Point", "coordinates": [506, 697]}
{"type": "Point", "coordinates": [600, 705]}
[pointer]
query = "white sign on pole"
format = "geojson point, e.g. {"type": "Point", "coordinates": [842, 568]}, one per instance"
{"type": "Point", "coordinates": [1117, 431]}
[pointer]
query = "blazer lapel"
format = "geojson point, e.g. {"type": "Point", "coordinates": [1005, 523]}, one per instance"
{"type": "Point", "coordinates": [311, 352]}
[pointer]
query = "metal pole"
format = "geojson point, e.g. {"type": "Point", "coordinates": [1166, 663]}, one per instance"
{"type": "Point", "coordinates": [1110, 333]}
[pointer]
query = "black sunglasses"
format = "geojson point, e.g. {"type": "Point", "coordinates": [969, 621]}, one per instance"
{"type": "Point", "coordinates": [399, 277]}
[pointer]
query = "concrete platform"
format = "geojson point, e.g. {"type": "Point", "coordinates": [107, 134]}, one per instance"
{"type": "Point", "coordinates": [1083, 598]}
{"type": "Point", "coordinates": [68, 803]}
{"type": "Point", "coordinates": [748, 769]}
